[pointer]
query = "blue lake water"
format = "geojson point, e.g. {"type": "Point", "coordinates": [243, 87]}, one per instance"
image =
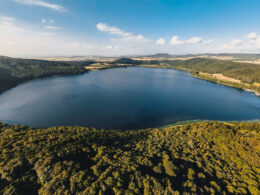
{"type": "Point", "coordinates": [125, 98]}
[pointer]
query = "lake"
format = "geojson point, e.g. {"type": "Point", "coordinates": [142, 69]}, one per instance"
{"type": "Point", "coordinates": [125, 98]}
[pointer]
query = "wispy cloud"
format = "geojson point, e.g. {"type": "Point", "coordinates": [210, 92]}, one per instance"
{"type": "Point", "coordinates": [7, 18]}
{"type": "Point", "coordinates": [125, 36]}
{"type": "Point", "coordinates": [208, 41]}
{"type": "Point", "coordinates": [52, 27]}
{"type": "Point", "coordinates": [44, 21]}
{"type": "Point", "coordinates": [17, 39]}
{"type": "Point", "coordinates": [41, 3]}
{"type": "Point", "coordinates": [7, 23]}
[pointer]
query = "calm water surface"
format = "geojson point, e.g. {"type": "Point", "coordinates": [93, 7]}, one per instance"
{"type": "Point", "coordinates": [125, 98]}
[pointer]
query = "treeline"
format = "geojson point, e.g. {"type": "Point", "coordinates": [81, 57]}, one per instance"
{"type": "Point", "coordinates": [199, 158]}
{"type": "Point", "coordinates": [251, 87]}
{"type": "Point", "coordinates": [245, 72]}
{"type": "Point", "coordinates": [130, 61]}
{"type": "Point", "coordinates": [15, 70]}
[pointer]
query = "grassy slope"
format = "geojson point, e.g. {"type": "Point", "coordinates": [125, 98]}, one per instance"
{"type": "Point", "coordinates": [205, 157]}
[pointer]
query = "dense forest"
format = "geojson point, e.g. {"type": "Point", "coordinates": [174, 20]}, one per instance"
{"type": "Point", "coordinates": [247, 73]}
{"type": "Point", "coordinates": [199, 158]}
{"type": "Point", "coordinates": [15, 70]}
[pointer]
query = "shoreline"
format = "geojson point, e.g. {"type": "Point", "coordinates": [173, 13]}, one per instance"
{"type": "Point", "coordinates": [226, 83]}
{"type": "Point", "coordinates": [209, 78]}
{"type": "Point", "coordinates": [199, 75]}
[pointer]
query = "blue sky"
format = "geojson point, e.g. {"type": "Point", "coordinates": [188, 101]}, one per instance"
{"type": "Point", "coordinates": [119, 27]}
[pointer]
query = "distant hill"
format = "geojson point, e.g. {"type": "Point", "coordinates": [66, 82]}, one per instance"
{"type": "Point", "coordinates": [126, 61]}
{"type": "Point", "coordinates": [240, 56]}
{"type": "Point", "coordinates": [161, 55]}
{"type": "Point", "coordinates": [237, 56]}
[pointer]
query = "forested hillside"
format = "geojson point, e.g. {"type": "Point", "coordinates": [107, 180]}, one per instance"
{"type": "Point", "coordinates": [15, 70]}
{"type": "Point", "coordinates": [200, 158]}
{"type": "Point", "coordinates": [248, 74]}
{"type": "Point", "coordinates": [245, 72]}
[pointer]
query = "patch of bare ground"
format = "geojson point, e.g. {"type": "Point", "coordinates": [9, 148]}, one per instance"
{"type": "Point", "coordinates": [225, 78]}
{"type": "Point", "coordinates": [249, 61]}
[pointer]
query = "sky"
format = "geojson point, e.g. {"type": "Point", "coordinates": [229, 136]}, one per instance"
{"type": "Point", "coordinates": [30, 28]}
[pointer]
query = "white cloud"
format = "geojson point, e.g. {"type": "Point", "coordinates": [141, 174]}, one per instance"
{"type": "Point", "coordinates": [20, 40]}
{"type": "Point", "coordinates": [125, 36]}
{"type": "Point", "coordinates": [208, 41]}
{"type": "Point", "coordinates": [242, 46]}
{"type": "Point", "coordinates": [175, 41]}
{"type": "Point", "coordinates": [7, 18]}
{"type": "Point", "coordinates": [41, 3]}
{"type": "Point", "coordinates": [51, 27]}
{"type": "Point", "coordinates": [194, 40]}
{"type": "Point", "coordinates": [161, 41]}
{"type": "Point", "coordinates": [234, 45]}
{"type": "Point", "coordinates": [254, 40]}
{"type": "Point", "coordinates": [236, 42]}
{"type": "Point", "coordinates": [112, 30]}
{"type": "Point", "coordinates": [252, 36]}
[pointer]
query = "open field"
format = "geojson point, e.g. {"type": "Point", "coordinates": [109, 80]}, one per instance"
{"type": "Point", "coordinates": [225, 78]}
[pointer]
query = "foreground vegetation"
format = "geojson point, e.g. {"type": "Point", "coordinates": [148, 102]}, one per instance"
{"type": "Point", "coordinates": [200, 158]}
